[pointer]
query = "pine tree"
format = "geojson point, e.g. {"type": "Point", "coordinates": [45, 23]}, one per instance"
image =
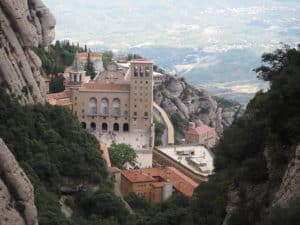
{"type": "Point", "coordinates": [89, 68]}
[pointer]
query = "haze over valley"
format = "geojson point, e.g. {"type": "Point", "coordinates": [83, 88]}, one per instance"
{"type": "Point", "coordinates": [214, 44]}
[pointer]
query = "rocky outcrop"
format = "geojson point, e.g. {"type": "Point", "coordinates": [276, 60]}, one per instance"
{"type": "Point", "coordinates": [280, 189]}
{"type": "Point", "coordinates": [16, 191]}
{"type": "Point", "coordinates": [193, 104]}
{"type": "Point", "coordinates": [290, 186]}
{"type": "Point", "coordinates": [24, 24]}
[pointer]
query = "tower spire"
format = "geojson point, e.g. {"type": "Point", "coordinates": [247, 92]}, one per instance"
{"type": "Point", "coordinates": [77, 67]}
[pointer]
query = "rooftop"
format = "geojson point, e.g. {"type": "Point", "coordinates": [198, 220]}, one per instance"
{"type": "Point", "coordinates": [61, 98]}
{"type": "Point", "coordinates": [106, 87]}
{"type": "Point", "coordinates": [92, 54]}
{"type": "Point", "coordinates": [195, 158]}
{"type": "Point", "coordinates": [181, 182]}
{"type": "Point", "coordinates": [200, 130]}
{"type": "Point", "coordinates": [141, 61]}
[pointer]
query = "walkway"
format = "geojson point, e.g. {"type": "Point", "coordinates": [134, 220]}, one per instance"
{"type": "Point", "coordinates": [167, 122]}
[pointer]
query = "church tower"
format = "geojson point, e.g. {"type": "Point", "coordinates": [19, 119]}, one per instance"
{"type": "Point", "coordinates": [77, 75]}
{"type": "Point", "coordinates": [141, 94]}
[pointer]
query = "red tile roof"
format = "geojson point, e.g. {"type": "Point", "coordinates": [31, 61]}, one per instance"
{"type": "Point", "coordinates": [181, 182]}
{"type": "Point", "coordinates": [199, 130]}
{"type": "Point", "coordinates": [139, 176]}
{"type": "Point", "coordinates": [107, 87]}
{"type": "Point", "coordinates": [92, 54]}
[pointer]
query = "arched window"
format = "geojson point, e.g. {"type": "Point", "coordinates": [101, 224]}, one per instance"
{"type": "Point", "coordinates": [104, 127]}
{"type": "Point", "coordinates": [83, 125]}
{"type": "Point", "coordinates": [116, 127]}
{"type": "Point", "coordinates": [75, 78]}
{"type": "Point", "coordinates": [104, 107]}
{"type": "Point", "coordinates": [125, 127]}
{"type": "Point", "coordinates": [93, 126]}
{"type": "Point", "coordinates": [80, 78]}
{"type": "Point", "coordinates": [116, 107]}
{"type": "Point", "coordinates": [93, 106]}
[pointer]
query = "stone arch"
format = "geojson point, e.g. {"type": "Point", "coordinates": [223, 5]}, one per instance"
{"type": "Point", "coordinates": [104, 105]}
{"type": "Point", "coordinates": [93, 106]}
{"type": "Point", "coordinates": [93, 126]}
{"type": "Point", "coordinates": [116, 107]}
{"type": "Point", "coordinates": [75, 77]}
{"type": "Point", "coordinates": [116, 127]}
{"type": "Point", "coordinates": [126, 127]}
{"type": "Point", "coordinates": [83, 125]}
{"type": "Point", "coordinates": [104, 127]}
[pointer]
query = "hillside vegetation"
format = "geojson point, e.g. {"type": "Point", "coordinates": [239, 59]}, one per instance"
{"type": "Point", "coordinates": [251, 159]}
{"type": "Point", "coordinates": [55, 151]}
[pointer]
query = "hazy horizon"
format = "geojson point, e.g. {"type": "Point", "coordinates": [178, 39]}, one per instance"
{"type": "Point", "coordinates": [214, 44]}
{"type": "Point", "coordinates": [214, 26]}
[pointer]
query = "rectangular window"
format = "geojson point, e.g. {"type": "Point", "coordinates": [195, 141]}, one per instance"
{"type": "Point", "coordinates": [147, 70]}
{"type": "Point", "coordinates": [135, 71]}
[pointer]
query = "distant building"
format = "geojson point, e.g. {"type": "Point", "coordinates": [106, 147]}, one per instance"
{"type": "Point", "coordinates": [120, 59]}
{"type": "Point", "coordinates": [202, 135]}
{"type": "Point", "coordinates": [96, 59]}
{"type": "Point", "coordinates": [195, 161]}
{"type": "Point", "coordinates": [158, 78]}
{"type": "Point", "coordinates": [156, 184]}
{"type": "Point", "coordinates": [114, 106]}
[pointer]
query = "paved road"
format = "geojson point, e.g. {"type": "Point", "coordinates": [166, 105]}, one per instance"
{"type": "Point", "coordinates": [162, 116]}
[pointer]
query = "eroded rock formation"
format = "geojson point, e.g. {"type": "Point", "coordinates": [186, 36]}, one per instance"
{"type": "Point", "coordinates": [16, 191]}
{"type": "Point", "coordinates": [24, 24]}
{"type": "Point", "coordinates": [192, 104]}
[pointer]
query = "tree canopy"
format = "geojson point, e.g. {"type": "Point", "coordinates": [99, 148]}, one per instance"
{"type": "Point", "coordinates": [89, 68]}
{"type": "Point", "coordinates": [122, 153]}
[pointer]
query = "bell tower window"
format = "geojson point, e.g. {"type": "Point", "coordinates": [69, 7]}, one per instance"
{"type": "Point", "coordinates": [147, 71]}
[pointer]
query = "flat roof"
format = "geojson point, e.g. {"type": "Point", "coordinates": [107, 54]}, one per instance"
{"type": "Point", "coordinates": [105, 87]}
{"type": "Point", "coordinates": [196, 158]}
{"type": "Point", "coordinates": [141, 61]}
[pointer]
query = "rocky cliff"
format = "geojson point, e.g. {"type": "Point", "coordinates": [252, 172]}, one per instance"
{"type": "Point", "coordinates": [280, 189]}
{"type": "Point", "coordinates": [193, 104]}
{"type": "Point", "coordinates": [24, 24]}
{"type": "Point", "coordinates": [16, 192]}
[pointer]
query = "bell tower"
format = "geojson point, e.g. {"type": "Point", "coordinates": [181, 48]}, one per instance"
{"type": "Point", "coordinates": [141, 94]}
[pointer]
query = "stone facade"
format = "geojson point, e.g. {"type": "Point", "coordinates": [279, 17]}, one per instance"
{"type": "Point", "coordinates": [116, 106]}
{"type": "Point", "coordinates": [114, 102]}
